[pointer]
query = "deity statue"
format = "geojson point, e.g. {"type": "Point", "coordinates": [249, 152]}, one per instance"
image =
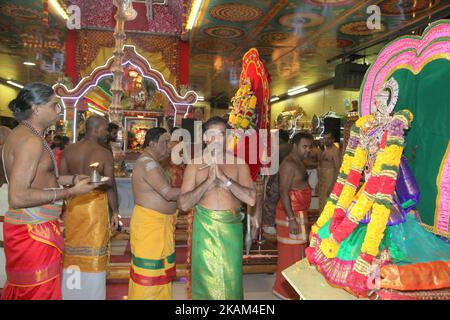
{"type": "Point", "coordinates": [368, 237]}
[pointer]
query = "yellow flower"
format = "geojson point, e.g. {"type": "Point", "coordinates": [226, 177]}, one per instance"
{"type": "Point", "coordinates": [379, 161]}
{"type": "Point", "coordinates": [346, 197]}
{"type": "Point", "coordinates": [245, 123]}
{"type": "Point", "coordinates": [361, 207]}
{"type": "Point", "coordinates": [362, 121]}
{"type": "Point", "coordinates": [326, 214]}
{"type": "Point", "coordinates": [314, 229]}
{"type": "Point", "coordinates": [375, 229]}
{"type": "Point", "coordinates": [346, 164]}
{"type": "Point", "coordinates": [392, 155]}
{"type": "Point", "coordinates": [360, 158]}
{"type": "Point", "coordinates": [252, 103]}
{"type": "Point", "coordinates": [329, 247]}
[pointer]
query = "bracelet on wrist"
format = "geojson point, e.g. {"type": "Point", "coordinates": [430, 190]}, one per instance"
{"type": "Point", "coordinates": [66, 193]}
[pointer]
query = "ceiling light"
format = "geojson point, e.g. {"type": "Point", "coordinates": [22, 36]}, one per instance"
{"type": "Point", "coordinates": [295, 91]}
{"type": "Point", "coordinates": [96, 112]}
{"type": "Point", "coordinates": [200, 98]}
{"type": "Point", "coordinates": [59, 9]}
{"type": "Point", "coordinates": [193, 15]}
{"type": "Point", "coordinates": [140, 117]}
{"type": "Point", "coordinates": [296, 88]}
{"type": "Point", "coordinates": [15, 84]}
{"type": "Point", "coordinates": [28, 63]}
{"type": "Point", "coordinates": [275, 98]}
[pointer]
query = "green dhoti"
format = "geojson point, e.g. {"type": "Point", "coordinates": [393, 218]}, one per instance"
{"type": "Point", "coordinates": [217, 247]}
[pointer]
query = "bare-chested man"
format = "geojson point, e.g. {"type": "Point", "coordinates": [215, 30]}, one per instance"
{"type": "Point", "coordinates": [273, 186]}
{"type": "Point", "coordinates": [217, 192]}
{"type": "Point", "coordinates": [153, 222]}
{"type": "Point", "coordinates": [33, 241]}
{"type": "Point", "coordinates": [4, 132]}
{"type": "Point", "coordinates": [312, 165]}
{"type": "Point", "coordinates": [330, 162]}
{"type": "Point", "coordinates": [87, 222]}
{"type": "Point", "coordinates": [292, 211]}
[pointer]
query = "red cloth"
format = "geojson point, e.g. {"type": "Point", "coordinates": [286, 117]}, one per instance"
{"type": "Point", "coordinates": [33, 261]}
{"type": "Point", "coordinates": [58, 153]}
{"type": "Point", "coordinates": [288, 254]}
{"type": "Point", "coordinates": [255, 70]}
{"type": "Point", "coordinates": [71, 45]}
{"type": "Point", "coordinates": [183, 62]}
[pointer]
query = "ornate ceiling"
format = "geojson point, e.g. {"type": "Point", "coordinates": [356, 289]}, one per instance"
{"type": "Point", "coordinates": [30, 31]}
{"type": "Point", "coordinates": [295, 38]}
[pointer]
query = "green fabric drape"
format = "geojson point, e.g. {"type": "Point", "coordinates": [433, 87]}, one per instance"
{"type": "Point", "coordinates": [217, 246]}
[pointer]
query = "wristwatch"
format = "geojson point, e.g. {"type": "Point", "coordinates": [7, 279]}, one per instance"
{"type": "Point", "coordinates": [229, 183]}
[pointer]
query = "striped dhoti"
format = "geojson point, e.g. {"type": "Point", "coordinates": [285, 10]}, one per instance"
{"type": "Point", "coordinates": [291, 248]}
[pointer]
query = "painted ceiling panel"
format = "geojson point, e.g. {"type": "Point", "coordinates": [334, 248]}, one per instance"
{"type": "Point", "coordinates": [294, 38]}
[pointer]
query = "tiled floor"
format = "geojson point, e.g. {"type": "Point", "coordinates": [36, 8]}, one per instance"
{"type": "Point", "coordinates": [256, 287]}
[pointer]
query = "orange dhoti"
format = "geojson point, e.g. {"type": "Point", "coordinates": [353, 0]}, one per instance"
{"type": "Point", "coordinates": [33, 251]}
{"type": "Point", "coordinates": [291, 249]}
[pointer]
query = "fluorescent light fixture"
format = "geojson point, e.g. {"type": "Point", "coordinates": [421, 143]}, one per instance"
{"type": "Point", "coordinates": [275, 98]}
{"type": "Point", "coordinates": [200, 98]}
{"type": "Point", "coordinates": [293, 92]}
{"type": "Point", "coordinates": [193, 15]}
{"type": "Point", "coordinates": [296, 88]}
{"type": "Point", "coordinates": [15, 84]}
{"type": "Point", "coordinates": [140, 117]}
{"type": "Point", "coordinates": [96, 112]}
{"type": "Point", "coordinates": [28, 63]}
{"type": "Point", "coordinates": [59, 9]}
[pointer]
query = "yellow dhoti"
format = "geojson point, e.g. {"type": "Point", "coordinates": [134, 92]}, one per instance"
{"type": "Point", "coordinates": [86, 234]}
{"type": "Point", "coordinates": [153, 255]}
{"type": "Point", "coordinates": [326, 183]}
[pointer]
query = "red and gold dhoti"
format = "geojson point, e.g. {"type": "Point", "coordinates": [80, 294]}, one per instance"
{"type": "Point", "coordinates": [290, 249]}
{"type": "Point", "coordinates": [33, 250]}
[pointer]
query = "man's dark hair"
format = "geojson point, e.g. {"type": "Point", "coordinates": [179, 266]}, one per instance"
{"type": "Point", "coordinates": [153, 134]}
{"type": "Point", "coordinates": [301, 135]}
{"type": "Point", "coordinates": [112, 126]}
{"type": "Point", "coordinates": [93, 122]}
{"type": "Point", "coordinates": [215, 120]}
{"type": "Point", "coordinates": [34, 93]}
{"type": "Point", "coordinates": [284, 135]}
{"type": "Point", "coordinates": [330, 133]}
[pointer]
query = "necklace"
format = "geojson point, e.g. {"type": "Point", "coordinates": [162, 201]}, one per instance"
{"type": "Point", "coordinates": [46, 146]}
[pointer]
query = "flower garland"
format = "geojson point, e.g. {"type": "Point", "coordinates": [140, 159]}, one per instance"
{"type": "Point", "coordinates": [377, 192]}
{"type": "Point", "coordinates": [383, 200]}
{"type": "Point", "coordinates": [351, 159]}
{"type": "Point", "coordinates": [243, 114]}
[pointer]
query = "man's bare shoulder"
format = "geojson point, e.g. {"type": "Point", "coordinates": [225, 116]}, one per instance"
{"type": "Point", "coordinates": [20, 139]}
{"type": "Point", "coordinates": [335, 150]}
{"type": "Point", "coordinates": [70, 148]}
{"type": "Point", "coordinates": [103, 152]}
